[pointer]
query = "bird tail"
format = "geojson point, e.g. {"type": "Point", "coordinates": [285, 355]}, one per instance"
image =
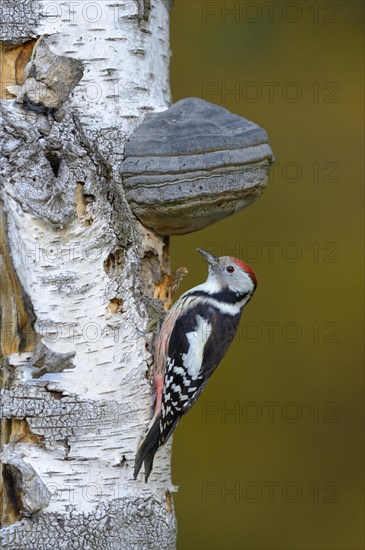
{"type": "Point", "coordinates": [148, 447]}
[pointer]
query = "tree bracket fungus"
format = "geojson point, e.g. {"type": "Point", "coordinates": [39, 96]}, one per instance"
{"type": "Point", "coordinates": [192, 165]}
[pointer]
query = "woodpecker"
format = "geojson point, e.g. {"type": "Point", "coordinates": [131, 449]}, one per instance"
{"type": "Point", "coordinates": [193, 339]}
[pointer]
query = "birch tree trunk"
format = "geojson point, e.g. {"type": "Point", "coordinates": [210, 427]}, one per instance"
{"type": "Point", "coordinates": [81, 278]}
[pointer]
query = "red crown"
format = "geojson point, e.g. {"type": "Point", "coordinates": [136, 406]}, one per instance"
{"type": "Point", "coordinates": [246, 269]}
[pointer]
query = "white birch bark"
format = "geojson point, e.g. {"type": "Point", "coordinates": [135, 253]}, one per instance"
{"type": "Point", "coordinates": [78, 278]}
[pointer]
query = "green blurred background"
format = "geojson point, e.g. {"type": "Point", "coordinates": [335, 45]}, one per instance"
{"type": "Point", "coordinates": [284, 470]}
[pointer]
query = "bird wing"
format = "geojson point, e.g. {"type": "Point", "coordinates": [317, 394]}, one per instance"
{"type": "Point", "coordinates": [198, 342]}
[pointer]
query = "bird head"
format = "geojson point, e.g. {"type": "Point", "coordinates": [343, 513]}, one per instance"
{"type": "Point", "coordinates": [227, 272]}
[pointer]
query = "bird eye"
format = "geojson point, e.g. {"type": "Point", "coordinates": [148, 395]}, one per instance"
{"type": "Point", "coordinates": [230, 269]}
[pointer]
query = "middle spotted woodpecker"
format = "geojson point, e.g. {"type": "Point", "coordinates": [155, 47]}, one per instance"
{"type": "Point", "coordinates": [194, 337]}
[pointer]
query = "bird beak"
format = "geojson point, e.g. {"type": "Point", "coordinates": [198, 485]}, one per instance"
{"type": "Point", "coordinates": [212, 260]}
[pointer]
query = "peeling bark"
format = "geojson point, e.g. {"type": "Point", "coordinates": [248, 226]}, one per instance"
{"type": "Point", "coordinates": [48, 79]}
{"type": "Point", "coordinates": [84, 284]}
{"type": "Point", "coordinates": [44, 360]}
{"type": "Point", "coordinates": [29, 493]}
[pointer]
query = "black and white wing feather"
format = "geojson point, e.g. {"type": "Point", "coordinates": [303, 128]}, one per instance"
{"type": "Point", "coordinates": [198, 342]}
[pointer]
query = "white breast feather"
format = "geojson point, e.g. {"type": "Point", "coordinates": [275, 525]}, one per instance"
{"type": "Point", "coordinates": [197, 340]}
